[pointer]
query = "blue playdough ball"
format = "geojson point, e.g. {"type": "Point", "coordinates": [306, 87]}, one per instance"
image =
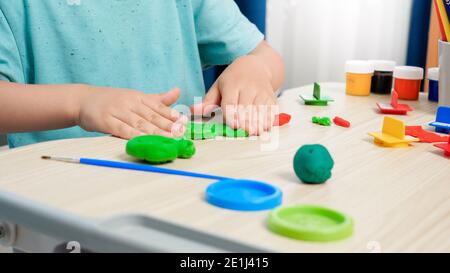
{"type": "Point", "coordinates": [313, 164]}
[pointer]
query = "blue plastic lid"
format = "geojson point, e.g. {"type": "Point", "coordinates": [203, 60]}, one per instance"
{"type": "Point", "coordinates": [243, 195]}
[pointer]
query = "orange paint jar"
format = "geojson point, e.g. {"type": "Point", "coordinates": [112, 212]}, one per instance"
{"type": "Point", "coordinates": [408, 80]}
{"type": "Point", "coordinates": [359, 77]}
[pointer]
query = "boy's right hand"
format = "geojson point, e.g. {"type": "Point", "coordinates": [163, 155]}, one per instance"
{"type": "Point", "coordinates": [127, 113]}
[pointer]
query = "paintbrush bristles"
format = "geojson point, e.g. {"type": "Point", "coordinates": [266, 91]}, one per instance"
{"type": "Point", "coordinates": [63, 159]}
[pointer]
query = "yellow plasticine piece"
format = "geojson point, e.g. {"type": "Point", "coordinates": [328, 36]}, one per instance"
{"type": "Point", "coordinates": [393, 134]}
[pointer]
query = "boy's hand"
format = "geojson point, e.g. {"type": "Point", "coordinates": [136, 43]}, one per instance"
{"type": "Point", "coordinates": [128, 113]}
{"type": "Point", "coordinates": [246, 95]}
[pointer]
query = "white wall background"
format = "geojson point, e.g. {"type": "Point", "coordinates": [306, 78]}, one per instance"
{"type": "Point", "coordinates": [316, 37]}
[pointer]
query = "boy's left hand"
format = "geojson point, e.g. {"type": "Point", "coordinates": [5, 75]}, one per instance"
{"type": "Point", "coordinates": [245, 93]}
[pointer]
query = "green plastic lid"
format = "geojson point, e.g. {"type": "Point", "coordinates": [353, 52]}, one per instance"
{"type": "Point", "coordinates": [310, 223]}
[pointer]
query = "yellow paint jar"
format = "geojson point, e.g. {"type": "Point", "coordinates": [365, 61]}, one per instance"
{"type": "Point", "coordinates": [359, 77]}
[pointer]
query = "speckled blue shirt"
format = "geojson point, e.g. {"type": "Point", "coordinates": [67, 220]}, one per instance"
{"type": "Point", "coordinates": [148, 45]}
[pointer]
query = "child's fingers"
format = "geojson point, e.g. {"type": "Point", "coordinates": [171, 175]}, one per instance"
{"type": "Point", "coordinates": [247, 118]}
{"type": "Point", "coordinates": [270, 118]}
{"type": "Point", "coordinates": [261, 120]}
{"type": "Point", "coordinates": [118, 128]}
{"type": "Point", "coordinates": [272, 112]}
{"type": "Point", "coordinates": [241, 117]}
{"type": "Point", "coordinates": [165, 125]}
{"type": "Point", "coordinates": [170, 97]}
{"type": "Point", "coordinates": [163, 110]}
{"type": "Point", "coordinates": [247, 98]}
{"type": "Point", "coordinates": [141, 124]}
{"type": "Point", "coordinates": [251, 119]}
{"type": "Point", "coordinates": [229, 105]}
{"type": "Point", "coordinates": [260, 116]}
{"type": "Point", "coordinates": [176, 128]}
{"type": "Point", "coordinates": [262, 112]}
{"type": "Point", "coordinates": [169, 113]}
{"type": "Point", "coordinates": [245, 111]}
{"type": "Point", "coordinates": [264, 116]}
{"type": "Point", "coordinates": [152, 129]}
{"type": "Point", "coordinates": [210, 102]}
{"type": "Point", "coordinates": [257, 113]}
{"type": "Point", "coordinates": [153, 117]}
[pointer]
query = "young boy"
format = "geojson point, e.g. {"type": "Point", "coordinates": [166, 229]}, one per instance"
{"type": "Point", "coordinates": [78, 68]}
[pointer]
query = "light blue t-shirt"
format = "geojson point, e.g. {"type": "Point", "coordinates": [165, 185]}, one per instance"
{"type": "Point", "coordinates": [147, 45]}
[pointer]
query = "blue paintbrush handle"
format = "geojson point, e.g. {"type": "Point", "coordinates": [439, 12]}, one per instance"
{"type": "Point", "coordinates": [146, 168]}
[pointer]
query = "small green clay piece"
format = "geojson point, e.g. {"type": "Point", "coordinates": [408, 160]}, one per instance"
{"type": "Point", "coordinates": [159, 149]}
{"type": "Point", "coordinates": [325, 121]}
{"type": "Point", "coordinates": [227, 131]}
{"type": "Point", "coordinates": [313, 164]}
{"type": "Point", "coordinates": [199, 131]}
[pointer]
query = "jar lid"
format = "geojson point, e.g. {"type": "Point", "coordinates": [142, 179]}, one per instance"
{"type": "Point", "coordinates": [243, 195]}
{"type": "Point", "coordinates": [433, 74]}
{"type": "Point", "coordinates": [408, 73]}
{"type": "Point", "coordinates": [359, 67]}
{"type": "Point", "coordinates": [384, 66]}
{"type": "Point", "coordinates": [310, 223]}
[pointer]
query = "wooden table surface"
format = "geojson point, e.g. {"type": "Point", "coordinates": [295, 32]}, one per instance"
{"type": "Point", "coordinates": [398, 198]}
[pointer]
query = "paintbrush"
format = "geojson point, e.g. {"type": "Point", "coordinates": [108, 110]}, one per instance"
{"type": "Point", "coordinates": [132, 166]}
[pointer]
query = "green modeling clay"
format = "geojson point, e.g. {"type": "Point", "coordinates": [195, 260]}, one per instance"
{"type": "Point", "coordinates": [325, 121]}
{"type": "Point", "coordinates": [198, 131]}
{"type": "Point", "coordinates": [227, 131]}
{"type": "Point", "coordinates": [313, 164]}
{"type": "Point", "coordinates": [159, 149]}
